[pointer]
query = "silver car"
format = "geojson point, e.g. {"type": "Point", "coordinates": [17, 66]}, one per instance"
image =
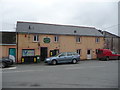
{"type": "Point", "coordinates": [65, 57]}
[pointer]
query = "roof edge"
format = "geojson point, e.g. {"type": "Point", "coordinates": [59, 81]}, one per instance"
{"type": "Point", "coordinates": [62, 34]}
{"type": "Point", "coordinates": [56, 24]}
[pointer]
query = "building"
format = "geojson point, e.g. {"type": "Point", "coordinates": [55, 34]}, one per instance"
{"type": "Point", "coordinates": [112, 41]}
{"type": "Point", "coordinates": [49, 39]}
{"type": "Point", "coordinates": [7, 44]}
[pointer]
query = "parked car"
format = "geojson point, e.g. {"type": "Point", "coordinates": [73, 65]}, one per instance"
{"type": "Point", "coordinates": [65, 57]}
{"type": "Point", "coordinates": [4, 62]}
{"type": "Point", "coordinates": [106, 54]}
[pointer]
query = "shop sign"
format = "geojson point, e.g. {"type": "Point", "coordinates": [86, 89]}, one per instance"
{"type": "Point", "coordinates": [46, 40]}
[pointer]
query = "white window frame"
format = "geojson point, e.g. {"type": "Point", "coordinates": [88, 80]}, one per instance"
{"type": "Point", "coordinates": [56, 38]}
{"type": "Point", "coordinates": [97, 39]}
{"type": "Point", "coordinates": [79, 51]}
{"type": "Point", "coordinates": [36, 38]}
{"type": "Point", "coordinates": [78, 39]}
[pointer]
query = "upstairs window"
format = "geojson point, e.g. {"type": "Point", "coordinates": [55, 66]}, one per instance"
{"type": "Point", "coordinates": [78, 39]}
{"type": "Point", "coordinates": [97, 40]}
{"type": "Point", "coordinates": [56, 38]}
{"type": "Point", "coordinates": [35, 38]}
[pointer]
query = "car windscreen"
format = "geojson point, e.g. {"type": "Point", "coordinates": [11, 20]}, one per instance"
{"type": "Point", "coordinates": [99, 52]}
{"type": "Point", "coordinates": [114, 52]}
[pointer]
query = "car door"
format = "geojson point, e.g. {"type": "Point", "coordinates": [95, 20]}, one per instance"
{"type": "Point", "coordinates": [62, 58]}
{"type": "Point", "coordinates": [69, 57]}
{"type": "Point", "coordinates": [113, 55]}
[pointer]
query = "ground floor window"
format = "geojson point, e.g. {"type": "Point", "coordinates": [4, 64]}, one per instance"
{"type": "Point", "coordinates": [54, 52]}
{"type": "Point", "coordinates": [79, 51]}
{"type": "Point", "coordinates": [28, 52]}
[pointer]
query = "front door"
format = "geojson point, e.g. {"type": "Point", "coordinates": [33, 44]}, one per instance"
{"type": "Point", "coordinates": [43, 52]}
{"type": "Point", "coordinates": [89, 54]}
{"type": "Point", "coordinates": [12, 53]}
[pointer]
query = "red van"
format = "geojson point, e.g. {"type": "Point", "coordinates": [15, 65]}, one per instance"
{"type": "Point", "coordinates": [107, 54]}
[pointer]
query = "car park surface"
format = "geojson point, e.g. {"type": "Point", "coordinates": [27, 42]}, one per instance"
{"type": "Point", "coordinates": [85, 74]}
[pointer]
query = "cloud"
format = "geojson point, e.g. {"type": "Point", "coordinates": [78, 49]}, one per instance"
{"type": "Point", "coordinates": [76, 12]}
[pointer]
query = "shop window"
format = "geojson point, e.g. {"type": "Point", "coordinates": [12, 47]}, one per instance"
{"type": "Point", "coordinates": [28, 52]}
{"type": "Point", "coordinates": [54, 52]}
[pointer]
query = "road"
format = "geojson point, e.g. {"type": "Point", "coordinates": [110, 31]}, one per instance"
{"type": "Point", "coordinates": [85, 74]}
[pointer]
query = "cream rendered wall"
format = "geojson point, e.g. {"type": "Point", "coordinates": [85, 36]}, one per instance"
{"type": "Point", "coordinates": [4, 50]}
{"type": "Point", "coordinates": [66, 43]}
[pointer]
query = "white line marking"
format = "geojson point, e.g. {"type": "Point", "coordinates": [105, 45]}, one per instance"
{"type": "Point", "coordinates": [10, 68]}
{"type": "Point", "coordinates": [21, 71]}
{"type": "Point", "coordinates": [83, 67]}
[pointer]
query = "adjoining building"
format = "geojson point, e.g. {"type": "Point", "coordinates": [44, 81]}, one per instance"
{"type": "Point", "coordinates": [50, 39]}
{"type": "Point", "coordinates": [8, 44]}
{"type": "Point", "coordinates": [112, 41]}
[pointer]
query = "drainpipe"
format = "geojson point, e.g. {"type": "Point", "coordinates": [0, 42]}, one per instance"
{"type": "Point", "coordinates": [17, 47]}
{"type": "Point", "coordinates": [112, 43]}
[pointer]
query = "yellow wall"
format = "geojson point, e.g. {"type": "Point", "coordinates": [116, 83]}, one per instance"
{"type": "Point", "coordinates": [66, 43]}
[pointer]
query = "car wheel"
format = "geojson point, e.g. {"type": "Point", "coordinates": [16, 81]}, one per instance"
{"type": "Point", "coordinates": [3, 65]}
{"type": "Point", "coordinates": [118, 58]}
{"type": "Point", "coordinates": [54, 62]}
{"type": "Point", "coordinates": [107, 58]}
{"type": "Point", "coordinates": [74, 61]}
{"type": "Point", "coordinates": [99, 58]}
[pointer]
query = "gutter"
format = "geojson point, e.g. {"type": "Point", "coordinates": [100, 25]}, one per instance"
{"type": "Point", "coordinates": [7, 44]}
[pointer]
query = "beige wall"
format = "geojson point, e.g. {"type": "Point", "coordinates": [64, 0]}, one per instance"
{"type": "Point", "coordinates": [4, 50]}
{"type": "Point", "coordinates": [66, 44]}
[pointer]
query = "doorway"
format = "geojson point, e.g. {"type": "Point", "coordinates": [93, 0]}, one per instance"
{"type": "Point", "coordinates": [43, 52]}
{"type": "Point", "coordinates": [12, 53]}
{"type": "Point", "coordinates": [89, 54]}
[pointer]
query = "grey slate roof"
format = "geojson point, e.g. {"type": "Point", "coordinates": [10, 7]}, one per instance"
{"type": "Point", "coordinates": [31, 27]}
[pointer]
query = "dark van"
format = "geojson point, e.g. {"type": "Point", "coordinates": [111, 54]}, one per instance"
{"type": "Point", "coordinates": [106, 54]}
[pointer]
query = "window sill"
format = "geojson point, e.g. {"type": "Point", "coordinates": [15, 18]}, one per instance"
{"type": "Point", "coordinates": [56, 42]}
{"type": "Point", "coordinates": [78, 42]}
{"type": "Point", "coordinates": [97, 42]}
{"type": "Point", "coordinates": [35, 41]}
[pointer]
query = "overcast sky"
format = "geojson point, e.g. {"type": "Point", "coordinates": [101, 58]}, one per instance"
{"type": "Point", "coordinates": [101, 14]}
